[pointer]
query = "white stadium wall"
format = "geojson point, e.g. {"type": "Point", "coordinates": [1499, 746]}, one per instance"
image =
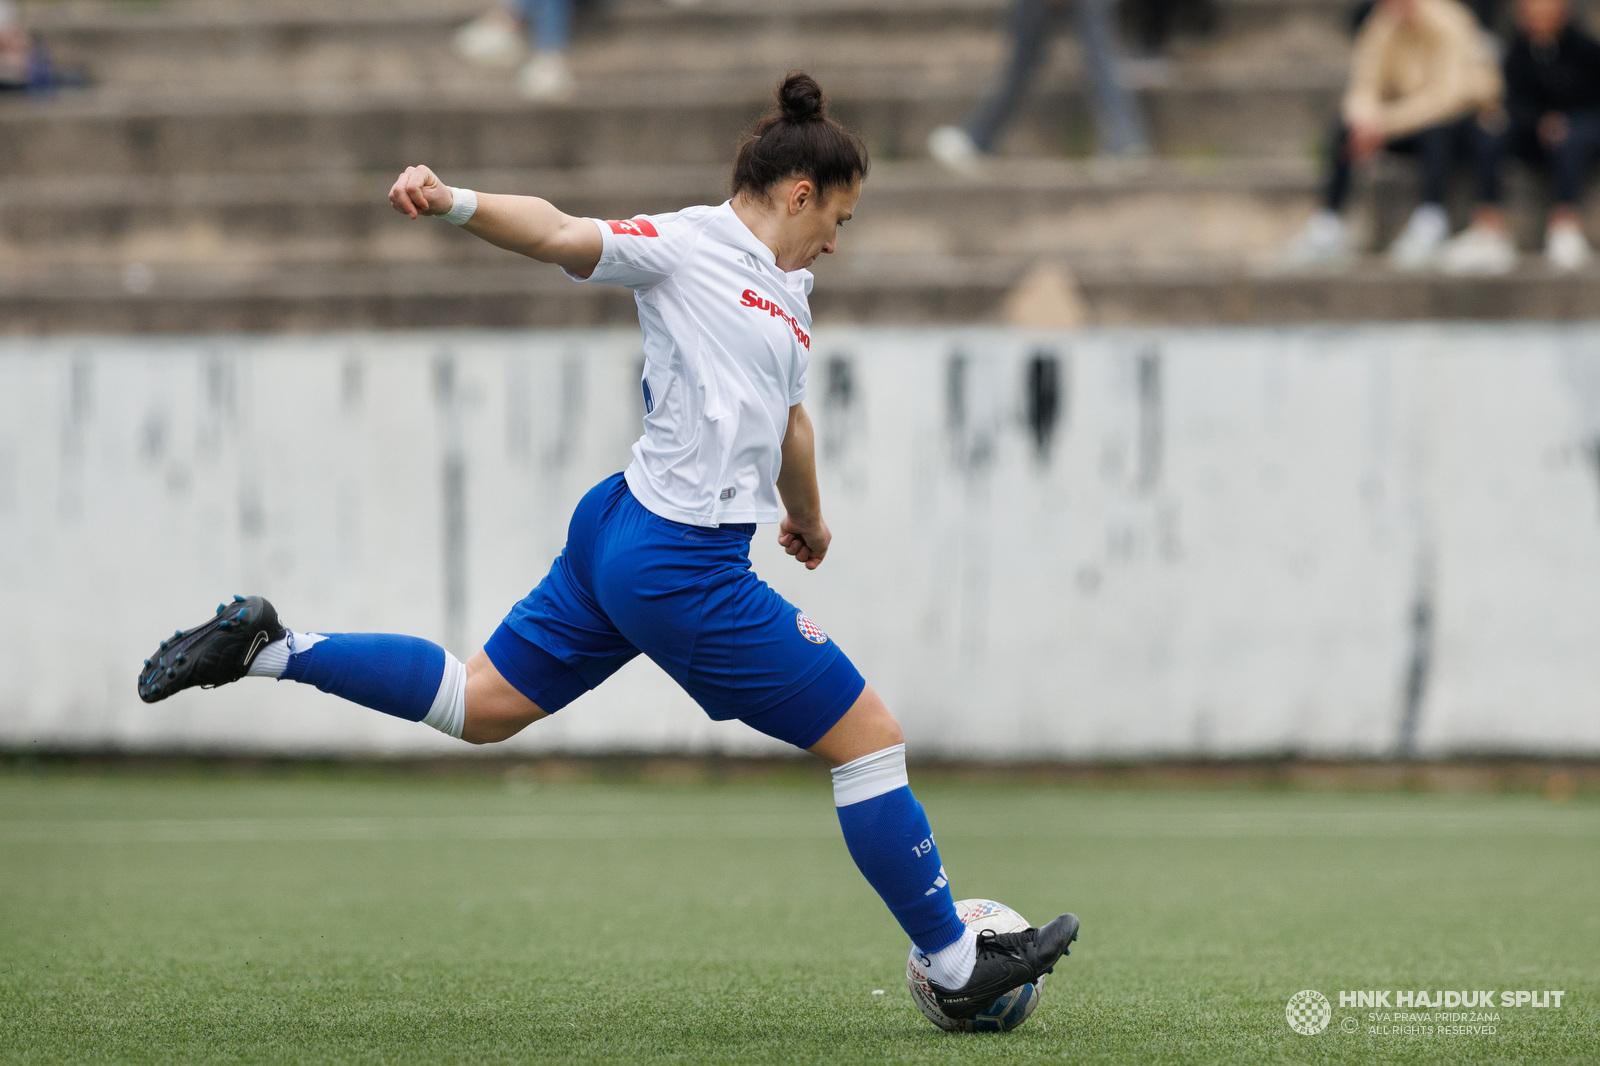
{"type": "Point", "coordinates": [1353, 541]}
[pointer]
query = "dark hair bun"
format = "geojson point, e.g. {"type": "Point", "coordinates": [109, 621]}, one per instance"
{"type": "Point", "coordinates": [800, 98]}
{"type": "Point", "coordinates": [798, 140]}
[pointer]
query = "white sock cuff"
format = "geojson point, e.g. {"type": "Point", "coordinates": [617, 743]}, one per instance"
{"type": "Point", "coordinates": [952, 965]}
{"type": "Point", "coordinates": [869, 776]}
{"type": "Point", "coordinates": [449, 711]}
{"type": "Point", "coordinates": [299, 643]}
{"type": "Point", "coordinates": [272, 660]}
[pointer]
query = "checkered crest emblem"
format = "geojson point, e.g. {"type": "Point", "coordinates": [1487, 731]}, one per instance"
{"type": "Point", "coordinates": [972, 910]}
{"type": "Point", "coordinates": [1308, 1012]}
{"type": "Point", "coordinates": [809, 629]}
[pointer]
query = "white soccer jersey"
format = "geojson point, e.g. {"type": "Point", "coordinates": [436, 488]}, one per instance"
{"type": "Point", "coordinates": [727, 337]}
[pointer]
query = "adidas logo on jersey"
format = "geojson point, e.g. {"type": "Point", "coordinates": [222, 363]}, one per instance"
{"type": "Point", "coordinates": [751, 261]}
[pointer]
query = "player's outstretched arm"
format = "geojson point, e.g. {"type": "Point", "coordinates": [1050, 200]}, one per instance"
{"type": "Point", "coordinates": [802, 532]}
{"type": "Point", "coordinates": [523, 224]}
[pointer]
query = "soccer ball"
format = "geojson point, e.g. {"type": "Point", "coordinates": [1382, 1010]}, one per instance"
{"type": "Point", "coordinates": [1005, 1013]}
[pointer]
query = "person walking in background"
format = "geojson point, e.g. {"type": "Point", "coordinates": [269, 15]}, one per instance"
{"type": "Point", "coordinates": [496, 38]}
{"type": "Point", "coordinates": [1422, 73]}
{"type": "Point", "coordinates": [1552, 120]}
{"type": "Point", "coordinates": [1119, 124]}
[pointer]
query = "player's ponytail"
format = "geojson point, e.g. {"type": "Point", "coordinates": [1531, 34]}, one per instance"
{"type": "Point", "coordinates": [798, 140]}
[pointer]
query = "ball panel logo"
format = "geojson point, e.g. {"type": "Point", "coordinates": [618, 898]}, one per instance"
{"type": "Point", "coordinates": [1308, 1012]}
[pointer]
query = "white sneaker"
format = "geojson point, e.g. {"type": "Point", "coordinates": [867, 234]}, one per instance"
{"type": "Point", "coordinates": [493, 39]}
{"type": "Point", "coordinates": [1481, 251]}
{"type": "Point", "coordinates": [1324, 241]}
{"type": "Point", "coordinates": [1565, 247]}
{"type": "Point", "coordinates": [546, 77]}
{"type": "Point", "coordinates": [1421, 240]}
{"type": "Point", "coordinates": [953, 147]}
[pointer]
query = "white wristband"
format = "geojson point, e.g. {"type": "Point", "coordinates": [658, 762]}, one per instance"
{"type": "Point", "coordinates": [466, 202]}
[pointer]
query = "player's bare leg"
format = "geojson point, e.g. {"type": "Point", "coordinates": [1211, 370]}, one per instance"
{"type": "Point", "coordinates": [865, 728]}
{"type": "Point", "coordinates": [495, 710]}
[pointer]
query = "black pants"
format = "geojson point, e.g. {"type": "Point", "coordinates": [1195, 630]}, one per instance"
{"type": "Point", "coordinates": [1437, 149]}
{"type": "Point", "coordinates": [1568, 164]}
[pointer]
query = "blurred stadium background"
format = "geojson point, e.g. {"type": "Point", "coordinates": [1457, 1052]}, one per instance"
{"type": "Point", "coordinates": [1121, 499]}
{"type": "Point", "coordinates": [1107, 476]}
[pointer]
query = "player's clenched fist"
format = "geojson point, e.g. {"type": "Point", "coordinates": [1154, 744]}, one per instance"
{"type": "Point", "coordinates": [420, 192]}
{"type": "Point", "coordinates": [806, 541]}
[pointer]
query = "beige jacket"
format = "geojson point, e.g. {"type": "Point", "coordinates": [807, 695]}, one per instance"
{"type": "Point", "coordinates": [1406, 76]}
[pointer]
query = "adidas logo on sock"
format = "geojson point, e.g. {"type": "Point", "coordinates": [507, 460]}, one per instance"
{"type": "Point", "coordinates": [938, 883]}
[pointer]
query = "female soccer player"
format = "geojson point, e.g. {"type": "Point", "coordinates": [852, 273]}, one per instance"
{"type": "Point", "coordinates": [657, 557]}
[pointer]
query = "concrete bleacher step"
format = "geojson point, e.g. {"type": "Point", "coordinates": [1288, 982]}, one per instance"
{"type": "Point", "coordinates": [1098, 214]}
{"type": "Point", "coordinates": [188, 86]}
{"type": "Point", "coordinates": [228, 170]}
{"type": "Point", "coordinates": [881, 290]}
{"type": "Point", "coordinates": [1143, 212]}
{"type": "Point", "coordinates": [363, 42]}
{"type": "Point", "coordinates": [676, 122]}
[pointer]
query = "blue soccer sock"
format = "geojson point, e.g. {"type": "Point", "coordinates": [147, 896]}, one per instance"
{"type": "Point", "coordinates": [888, 836]}
{"type": "Point", "coordinates": [404, 676]}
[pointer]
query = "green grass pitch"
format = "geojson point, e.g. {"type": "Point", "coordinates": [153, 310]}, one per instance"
{"type": "Point", "coordinates": [375, 919]}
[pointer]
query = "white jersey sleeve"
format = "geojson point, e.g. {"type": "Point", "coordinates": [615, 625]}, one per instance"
{"type": "Point", "coordinates": [797, 377]}
{"type": "Point", "coordinates": [642, 252]}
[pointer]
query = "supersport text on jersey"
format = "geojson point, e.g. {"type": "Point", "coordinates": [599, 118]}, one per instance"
{"type": "Point", "coordinates": [751, 298]}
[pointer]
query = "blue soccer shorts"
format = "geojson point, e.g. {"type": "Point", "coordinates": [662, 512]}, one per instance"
{"type": "Point", "coordinates": [630, 581]}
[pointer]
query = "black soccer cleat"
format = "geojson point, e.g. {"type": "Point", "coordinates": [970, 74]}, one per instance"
{"type": "Point", "coordinates": [1006, 960]}
{"type": "Point", "coordinates": [214, 653]}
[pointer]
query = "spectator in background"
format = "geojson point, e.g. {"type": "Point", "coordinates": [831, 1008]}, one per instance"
{"type": "Point", "coordinates": [24, 65]}
{"type": "Point", "coordinates": [496, 39]}
{"type": "Point", "coordinates": [1118, 120]}
{"type": "Point", "coordinates": [1552, 74]}
{"type": "Point", "coordinates": [1422, 73]}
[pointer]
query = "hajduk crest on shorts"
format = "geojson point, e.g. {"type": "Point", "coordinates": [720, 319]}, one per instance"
{"type": "Point", "coordinates": [809, 629]}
